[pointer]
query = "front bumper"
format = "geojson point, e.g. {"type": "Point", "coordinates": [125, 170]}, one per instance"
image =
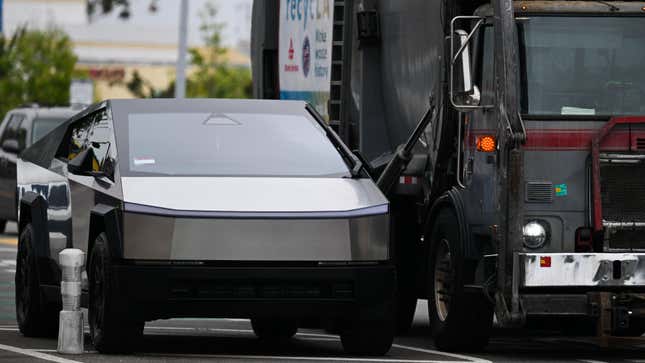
{"type": "Point", "coordinates": [166, 291]}
{"type": "Point", "coordinates": [582, 270]}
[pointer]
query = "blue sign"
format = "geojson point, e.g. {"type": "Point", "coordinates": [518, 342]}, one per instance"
{"type": "Point", "coordinates": [1, 16]}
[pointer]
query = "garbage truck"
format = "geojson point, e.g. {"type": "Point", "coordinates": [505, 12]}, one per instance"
{"type": "Point", "coordinates": [509, 137]}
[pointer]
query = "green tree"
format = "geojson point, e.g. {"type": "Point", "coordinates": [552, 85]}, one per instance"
{"type": "Point", "coordinates": [211, 75]}
{"type": "Point", "coordinates": [35, 66]}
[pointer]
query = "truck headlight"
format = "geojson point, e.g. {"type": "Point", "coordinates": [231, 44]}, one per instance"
{"type": "Point", "coordinates": [535, 234]}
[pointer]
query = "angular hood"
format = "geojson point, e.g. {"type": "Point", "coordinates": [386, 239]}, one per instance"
{"type": "Point", "coordinates": [254, 195]}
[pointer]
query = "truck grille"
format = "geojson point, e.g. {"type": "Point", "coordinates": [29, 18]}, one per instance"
{"type": "Point", "coordinates": [623, 201]}
{"type": "Point", "coordinates": [623, 192]}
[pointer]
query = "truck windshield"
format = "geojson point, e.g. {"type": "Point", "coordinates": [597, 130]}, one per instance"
{"type": "Point", "coordinates": [582, 65]}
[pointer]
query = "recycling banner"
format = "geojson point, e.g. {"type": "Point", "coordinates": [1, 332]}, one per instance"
{"type": "Point", "coordinates": [305, 51]}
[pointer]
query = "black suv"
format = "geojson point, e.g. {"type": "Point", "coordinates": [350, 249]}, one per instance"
{"type": "Point", "coordinates": [20, 128]}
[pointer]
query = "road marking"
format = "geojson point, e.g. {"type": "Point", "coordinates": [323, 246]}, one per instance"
{"type": "Point", "coordinates": [36, 354]}
{"type": "Point", "coordinates": [9, 241]}
{"type": "Point", "coordinates": [283, 358]}
{"type": "Point", "coordinates": [591, 361]}
{"type": "Point", "coordinates": [328, 337]}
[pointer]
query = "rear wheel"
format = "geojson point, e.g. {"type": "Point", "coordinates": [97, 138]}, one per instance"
{"type": "Point", "coordinates": [459, 321]}
{"type": "Point", "coordinates": [112, 330]}
{"type": "Point", "coordinates": [274, 329]}
{"type": "Point", "coordinates": [371, 336]}
{"type": "Point", "coordinates": [36, 317]}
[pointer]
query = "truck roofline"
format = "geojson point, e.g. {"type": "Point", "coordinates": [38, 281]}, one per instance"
{"type": "Point", "coordinates": [571, 7]}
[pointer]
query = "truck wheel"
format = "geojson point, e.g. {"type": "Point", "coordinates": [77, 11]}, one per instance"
{"type": "Point", "coordinates": [112, 331]}
{"type": "Point", "coordinates": [369, 337]}
{"type": "Point", "coordinates": [3, 225]}
{"type": "Point", "coordinates": [274, 329]}
{"type": "Point", "coordinates": [35, 317]}
{"type": "Point", "coordinates": [458, 321]}
{"type": "Point", "coordinates": [406, 243]}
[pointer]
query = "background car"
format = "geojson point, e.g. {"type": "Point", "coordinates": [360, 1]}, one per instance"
{"type": "Point", "coordinates": [20, 128]}
{"type": "Point", "coordinates": [205, 208]}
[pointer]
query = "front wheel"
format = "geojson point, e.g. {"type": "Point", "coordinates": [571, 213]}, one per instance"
{"type": "Point", "coordinates": [113, 330]}
{"type": "Point", "coordinates": [36, 317]}
{"type": "Point", "coordinates": [369, 337]}
{"type": "Point", "coordinates": [459, 321]}
{"type": "Point", "coordinates": [274, 329]}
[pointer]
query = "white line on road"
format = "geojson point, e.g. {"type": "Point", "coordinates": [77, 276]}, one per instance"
{"type": "Point", "coordinates": [591, 361]}
{"type": "Point", "coordinates": [35, 354]}
{"type": "Point", "coordinates": [297, 358]}
{"type": "Point", "coordinates": [328, 337]}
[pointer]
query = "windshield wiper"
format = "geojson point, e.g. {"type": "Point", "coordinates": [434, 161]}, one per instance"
{"type": "Point", "coordinates": [612, 7]}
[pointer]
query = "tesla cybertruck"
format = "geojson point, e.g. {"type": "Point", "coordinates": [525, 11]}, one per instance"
{"type": "Point", "coordinates": [204, 208]}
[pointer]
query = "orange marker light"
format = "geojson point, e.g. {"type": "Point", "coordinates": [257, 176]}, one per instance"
{"type": "Point", "coordinates": [545, 261]}
{"type": "Point", "coordinates": [486, 143]}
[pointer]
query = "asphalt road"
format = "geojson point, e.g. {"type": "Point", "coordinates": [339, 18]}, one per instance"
{"type": "Point", "coordinates": [226, 340]}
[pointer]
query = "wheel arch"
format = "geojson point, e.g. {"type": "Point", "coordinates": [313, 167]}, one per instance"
{"type": "Point", "coordinates": [106, 219]}
{"type": "Point", "coordinates": [451, 199]}
{"type": "Point", "coordinates": [33, 210]}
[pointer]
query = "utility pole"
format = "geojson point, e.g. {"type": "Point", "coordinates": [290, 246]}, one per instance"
{"type": "Point", "coordinates": [180, 82]}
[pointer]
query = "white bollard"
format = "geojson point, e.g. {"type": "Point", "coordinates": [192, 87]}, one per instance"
{"type": "Point", "coordinates": [70, 331]}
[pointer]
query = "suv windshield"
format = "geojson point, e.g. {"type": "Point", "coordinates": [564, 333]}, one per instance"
{"type": "Point", "coordinates": [42, 126]}
{"type": "Point", "coordinates": [582, 65]}
{"type": "Point", "coordinates": [230, 144]}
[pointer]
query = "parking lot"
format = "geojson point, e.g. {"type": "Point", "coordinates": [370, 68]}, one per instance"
{"type": "Point", "coordinates": [233, 340]}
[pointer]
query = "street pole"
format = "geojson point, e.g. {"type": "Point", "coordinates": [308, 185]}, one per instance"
{"type": "Point", "coordinates": [180, 82]}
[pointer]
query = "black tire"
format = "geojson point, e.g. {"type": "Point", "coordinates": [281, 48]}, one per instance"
{"type": "Point", "coordinates": [36, 317]}
{"type": "Point", "coordinates": [458, 321]}
{"type": "Point", "coordinates": [369, 337]}
{"type": "Point", "coordinates": [274, 329]}
{"type": "Point", "coordinates": [406, 234]}
{"type": "Point", "coordinates": [113, 330]}
{"type": "Point", "coordinates": [3, 225]}
{"type": "Point", "coordinates": [636, 327]}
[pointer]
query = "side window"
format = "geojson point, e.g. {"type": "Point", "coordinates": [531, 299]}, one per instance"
{"type": "Point", "coordinates": [102, 142]}
{"type": "Point", "coordinates": [13, 131]}
{"type": "Point", "coordinates": [78, 140]}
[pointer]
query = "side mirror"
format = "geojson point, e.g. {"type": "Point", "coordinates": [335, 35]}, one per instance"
{"type": "Point", "coordinates": [11, 146]}
{"type": "Point", "coordinates": [465, 96]}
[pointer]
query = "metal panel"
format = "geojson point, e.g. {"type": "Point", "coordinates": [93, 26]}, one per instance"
{"type": "Point", "coordinates": [583, 269]}
{"type": "Point", "coordinates": [148, 237]}
{"type": "Point", "coordinates": [252, 194]}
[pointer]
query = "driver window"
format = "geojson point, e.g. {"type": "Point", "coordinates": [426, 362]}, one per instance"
{"type": "Point", "coordinates": [102, 143]}
{"type": "Point", "coordinates": [78, 141]}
